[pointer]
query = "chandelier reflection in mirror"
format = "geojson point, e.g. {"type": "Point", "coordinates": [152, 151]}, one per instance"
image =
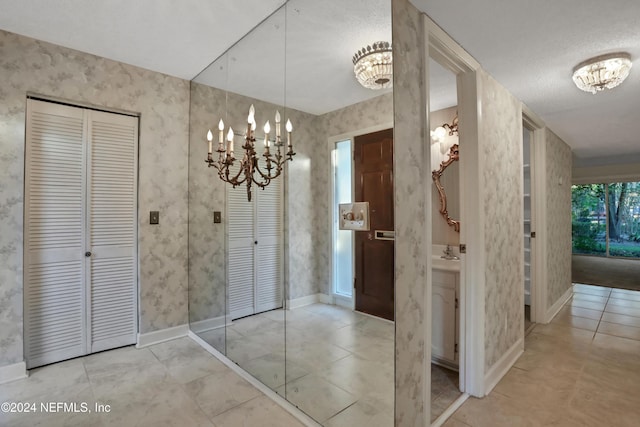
{"type": "Point", "coordinates": [250, 170]}
{"type": "Point", "coordinates": [373, 66]}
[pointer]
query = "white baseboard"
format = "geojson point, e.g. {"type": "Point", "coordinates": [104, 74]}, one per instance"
{"type": "Point", "coordinates": [345, 302]}
{"type": "Point", "coordinates": [301, 302]}
{"type": "Point", "coordinates": [557, 306]}
{"type": "Point", "coordinates": [156, 337]}
{"type": "Point", "coordinates": [301, 416]}
{"type": "Point", "coordinates": [326, 299]}
{"type": "Point", "coordinates": [308, 300]}
{"type": "Point", "coordinates": [16, 371]}
{"type": "Point", "coordinates": [502, 366]}
{"type": "Point", "coordinates": [450, 410]}
{"type": "Point", "coordinates": [208, 324]}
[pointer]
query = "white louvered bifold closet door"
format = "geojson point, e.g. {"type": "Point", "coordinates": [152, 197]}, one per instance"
{"type": "Point", "coordinates": [269, 283]}
{"type": "Point", "coordinates": [112, 229]}
{"type": "Point", "coordinates": [255, 248]}
{"type": "Point", "coordinates": [240, 253]}
{"type": "Point", "coordinates": [80, 232]}
{"type": "Point", "coordinates": [54, 262]}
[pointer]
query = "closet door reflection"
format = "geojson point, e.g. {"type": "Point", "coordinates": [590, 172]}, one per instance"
{"type": "Point", "coordinates": [255, 283]}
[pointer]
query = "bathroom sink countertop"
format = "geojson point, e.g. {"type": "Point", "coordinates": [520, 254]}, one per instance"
{"type": "Point", "coordinates": [445, 264]}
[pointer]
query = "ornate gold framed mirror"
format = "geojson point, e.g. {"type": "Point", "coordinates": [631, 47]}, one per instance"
{"type": "Point", "coordinates": [436, 175]}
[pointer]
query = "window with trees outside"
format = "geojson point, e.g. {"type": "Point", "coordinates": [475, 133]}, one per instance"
{"type": "Point", "coordinates": [606, 219]}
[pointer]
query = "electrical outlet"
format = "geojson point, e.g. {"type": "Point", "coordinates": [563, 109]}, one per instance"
{"type": "Point", "coordinates": [154, 217]}
{"type": "Point", "coordinates": [217, 217]}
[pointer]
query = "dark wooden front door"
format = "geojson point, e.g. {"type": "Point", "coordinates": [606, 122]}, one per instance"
{"type": "Point", "coordinates": [373, 172]}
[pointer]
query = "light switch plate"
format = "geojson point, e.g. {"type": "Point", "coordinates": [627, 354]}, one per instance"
{"type": "Point", "coordinates": [217, 217]}
{"type": "Point", "coordinates": [154, 217]}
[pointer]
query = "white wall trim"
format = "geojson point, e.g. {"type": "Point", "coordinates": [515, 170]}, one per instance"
{"type": "Point", "coordinates": [308, 300]}
{"type": "Point", "coordinates": [450, 410]}
{"type": "Point", "coordinates": [16, 371]}
{"type": "Point", "coordinates": [286, 405]}
{"type": "Point", "coordinates": [502, 366]}
{"type": "Point", "coordinates": [162, 335]}
{"type": "Point", "coordinates": [326, 299]}
{"type": "Point", "coordinates": [209, 324]}
{"type": "Point", "coordinates": [444, 50]}
{"type": "Point", "coordinates": [540, 244]}
{"type": "Point", "coordinates": [343, 301]}
{"type": "Point", "coordinates": [538, 212]}
{"type": "Point", "coordinates": [557, 306]}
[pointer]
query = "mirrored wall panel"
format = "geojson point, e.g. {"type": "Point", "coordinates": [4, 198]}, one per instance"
{"type": "Point", "coordinates": [263, 289]}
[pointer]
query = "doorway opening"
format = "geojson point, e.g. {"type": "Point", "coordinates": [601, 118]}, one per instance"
{"type": "Point", "coordinates": [529, 235]}
{"type": "Point", "coordinates": [342, 247]}
{"type": "Point", "coordinates": [363, 261]}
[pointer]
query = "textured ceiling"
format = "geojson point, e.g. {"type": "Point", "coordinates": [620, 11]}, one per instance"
{"type": "Point", "coordinates": [528, 47]}
{"type": "Point", "coordinates": [312, 43]}
{"type": "Point", "coordinates": [531, 49]}
{"type": "Point", "coordinates": [174, 37]}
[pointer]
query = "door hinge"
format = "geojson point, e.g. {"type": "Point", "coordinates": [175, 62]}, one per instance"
{"type": "Point", "coordinates": [455, 348]}
{"type": "Point", "coordinates": [533, 234]}
{"type": "Point", "coordinates": [456, 302]}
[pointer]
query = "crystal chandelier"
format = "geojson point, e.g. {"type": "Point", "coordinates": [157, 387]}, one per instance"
{"type": "Point", "coordinates": [250, 170]}
{"type": "Point", "coordinates": [373, 66]}
{"type": "Point", "coordinates": [602, 72]}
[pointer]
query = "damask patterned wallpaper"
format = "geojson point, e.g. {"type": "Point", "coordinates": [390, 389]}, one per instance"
{"type": "Point", "coordinates": [412, 181]}
{"type": "Point", "coordinates": [500, 136]}
{"type": "Point", "coordinates": [207, 244]}
{"type": "Point", "coordinates": [558, 205]}
{"type": "Point", "coordinates": [28, 65]}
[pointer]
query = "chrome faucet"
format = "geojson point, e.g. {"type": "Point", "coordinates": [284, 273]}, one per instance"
{"type": "Point", "coordinates": [448, 254]}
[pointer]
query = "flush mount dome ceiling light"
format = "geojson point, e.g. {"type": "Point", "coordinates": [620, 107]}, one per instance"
{"type": "Point", "coordinates": [602, 72]}
{"type": "Point", "coordinates": [373, 66]}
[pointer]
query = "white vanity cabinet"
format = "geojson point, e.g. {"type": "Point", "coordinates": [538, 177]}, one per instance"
{"type": "Point", "coordinates": [444, 329]}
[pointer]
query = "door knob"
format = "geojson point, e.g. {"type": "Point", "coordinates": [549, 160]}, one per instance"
{"type": "Point", "coordinates": [87, 254]}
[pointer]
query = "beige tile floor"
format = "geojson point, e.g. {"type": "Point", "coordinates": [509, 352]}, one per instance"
{"type": "Point", "coordinates": [582, 369]}
{"type": "Point", "coordinates": [176, 383]}
{"type": "Point", "coordinates": [338, 367]}
{"type": "Point", "coordinates": [339, 363]}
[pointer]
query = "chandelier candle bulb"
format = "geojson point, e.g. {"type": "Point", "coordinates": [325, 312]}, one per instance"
{"type": "Point", "coordinates": [230, 142]}
{"type": "Point", "coordinates": [210, 139]}
{"type": "Point", "coordinates": [221, 129]}
{"type": "Point", "coordinates": [267, 129]}
{"type": "Point", "coordinates": [253, 130]}
{"type": "Point", "coordinates": [289, 128]}
{"type": "Point", "coordinates": [277, 125]}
